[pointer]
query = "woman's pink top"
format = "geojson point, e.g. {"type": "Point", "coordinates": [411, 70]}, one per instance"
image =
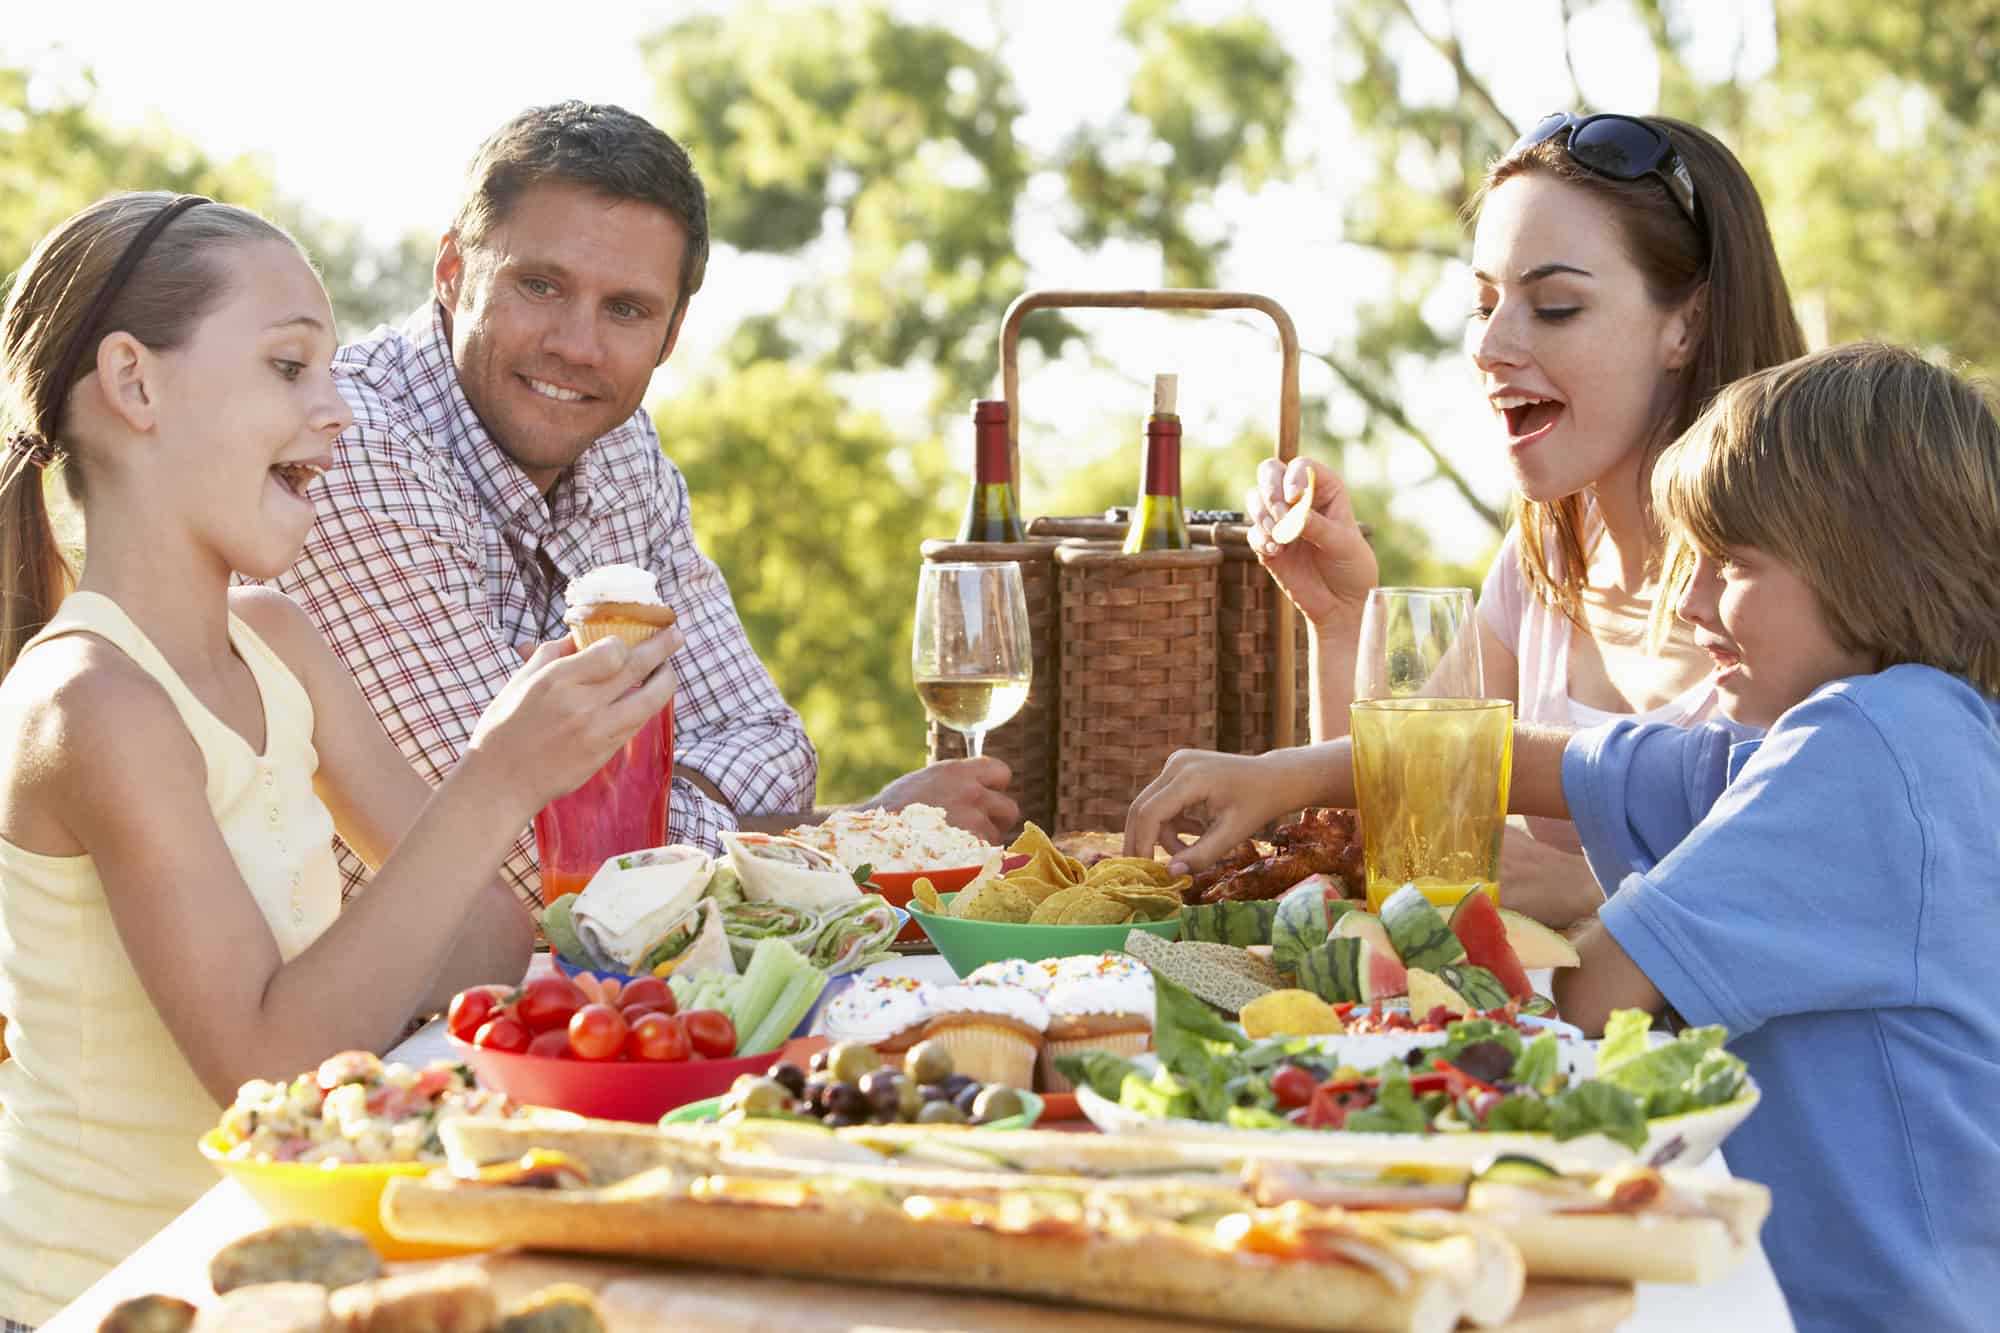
{"type": "Point", "coordinates": [1539, 637]}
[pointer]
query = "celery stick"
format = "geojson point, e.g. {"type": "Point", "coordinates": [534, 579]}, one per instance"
{"type": "Point", "coordinates": [778, 988]}
{"type": "Point", "coordinates": [778, 1021]}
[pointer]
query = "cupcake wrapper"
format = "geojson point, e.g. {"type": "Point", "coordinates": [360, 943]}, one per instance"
{"type": "Point", "coordinates": [634, 632]}
{"type": "Point", "coordinates": [1119, 1043]}
{"type": "Point", "coordinates": [989, 1054]}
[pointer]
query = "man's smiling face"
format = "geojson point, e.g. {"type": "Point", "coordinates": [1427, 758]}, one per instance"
{"type": "Point", "coordinates": [558, 318]}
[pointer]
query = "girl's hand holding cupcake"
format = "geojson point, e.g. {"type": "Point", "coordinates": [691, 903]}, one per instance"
{"type": "Point", "coordinates": [566, 711]}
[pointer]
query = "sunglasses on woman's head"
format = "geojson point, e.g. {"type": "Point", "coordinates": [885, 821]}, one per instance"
{"type": "Point", "coordinates": [1620, 148]}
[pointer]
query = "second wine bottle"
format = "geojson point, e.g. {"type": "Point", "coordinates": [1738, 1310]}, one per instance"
{"type": "Point", "coordinates": [1158, 521]}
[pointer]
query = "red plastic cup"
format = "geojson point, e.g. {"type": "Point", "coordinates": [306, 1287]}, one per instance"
{"type": "Point", "coordinates": [621, 808]}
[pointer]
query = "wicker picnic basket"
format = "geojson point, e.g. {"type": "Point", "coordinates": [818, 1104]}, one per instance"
{"type": "Point", "coordinates": [1149, 653]}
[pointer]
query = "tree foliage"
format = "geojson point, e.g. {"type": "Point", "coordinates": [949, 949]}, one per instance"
{"type": "Point", "coordinates": [58, 156]}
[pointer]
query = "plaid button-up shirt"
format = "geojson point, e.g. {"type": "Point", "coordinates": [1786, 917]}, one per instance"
{"type": "Point", "coordinates": [432, 556]}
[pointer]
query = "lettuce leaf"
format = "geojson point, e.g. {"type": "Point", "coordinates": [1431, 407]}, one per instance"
{"type": "Point", "coordinates": [1596, 1107]}
{"type": "Point", "coordinates": [1519, 1114]}
{"type": "Point", "coordinates": [1467, 1031]}
{"type": "Point", "coordinates": [1536, 1065]}
{"type": "Point", "coordinates": [1396, 1109]}
{"type": "Point", "coordinates": [1624, 1038]}
{"type": "Point", "coordinates": [1686, 1074]}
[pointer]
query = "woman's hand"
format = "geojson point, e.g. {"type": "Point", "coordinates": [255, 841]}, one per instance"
{"type": "Point", "coordinates": [564, 713]}
{"type": "Point", "coordinates": [1225, 798]}
{"type": "Point", "coordinates": [1554, 887]}
{"type": "Point", "coordinates": [1328, 571]}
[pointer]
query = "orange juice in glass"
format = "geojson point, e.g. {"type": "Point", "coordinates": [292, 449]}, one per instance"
{"type": "Point", "coordinates": [1430, 781]}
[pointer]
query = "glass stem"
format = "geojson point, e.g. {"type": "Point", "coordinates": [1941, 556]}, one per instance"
{"type": "Point", "coordinates": [975, 742]}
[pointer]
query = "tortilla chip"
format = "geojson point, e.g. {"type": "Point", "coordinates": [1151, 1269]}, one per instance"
{"type": "Point", "coordinates": [1095, 909]}
{"type": "Point", "coordinates": [1032, 842]}
{"type": "Point", "coordinates": [1037, 889]}
{"type": "Point", "coordinates": [1290, 1013]}
{"type": "Point", "coordinates": [925, 895]}
{"type": "Point", "coordinates": [993, 900]}
{"type": "Point", "coordinates": [1128, 870]}
{"type": "Point", "coordinates": [1049, 912]}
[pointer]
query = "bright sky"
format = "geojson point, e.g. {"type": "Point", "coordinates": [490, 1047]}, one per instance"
{"type": "Point", "coordinates": [369, 110]}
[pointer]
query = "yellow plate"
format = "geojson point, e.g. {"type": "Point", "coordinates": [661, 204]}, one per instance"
{"type": "Point", "coordinates": [338, 1194]}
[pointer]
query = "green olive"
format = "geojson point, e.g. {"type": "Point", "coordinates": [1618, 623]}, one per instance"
{"type": "Point", "coordinates": [848, 1061]}
{"type": "Point", "coordinates": [910, 1099]}
{"type": "Point", "coordinates": [760, 1096]}
{"type": "Point", "coordinates": [928, 1062]}
{"type": "Point", "coordinates": [996, 1102]}
{"type": "Point", "coordinates": [940, 1113]}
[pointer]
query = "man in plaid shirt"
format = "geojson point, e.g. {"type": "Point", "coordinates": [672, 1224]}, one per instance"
{"type": "Point", "coordinates": [499, 449]}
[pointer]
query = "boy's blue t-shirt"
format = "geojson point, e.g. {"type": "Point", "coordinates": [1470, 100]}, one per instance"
{"type": "Point", "coordinates": [1831, 894]}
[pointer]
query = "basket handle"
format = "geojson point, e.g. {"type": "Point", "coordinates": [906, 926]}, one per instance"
{"type": "Point", "coordinates": [1172, 298]}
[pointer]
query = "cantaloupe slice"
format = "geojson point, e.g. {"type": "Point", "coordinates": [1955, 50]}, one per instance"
{"type": "Point", "coordinates": [1535, 944]}
{"type": "Point", "coordinates": [1428, 990]}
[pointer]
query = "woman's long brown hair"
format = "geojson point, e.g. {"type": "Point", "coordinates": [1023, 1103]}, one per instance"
{"type": "Point", "coordinates": [1744, 315]}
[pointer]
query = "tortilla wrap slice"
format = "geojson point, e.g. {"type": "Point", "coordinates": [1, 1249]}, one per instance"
{"type": "Point", "coordinates": [694, 944]}
{"type": "Point", "coordinates": [776, 869]}
{"type": "Point", "coordinates": [636, 898]}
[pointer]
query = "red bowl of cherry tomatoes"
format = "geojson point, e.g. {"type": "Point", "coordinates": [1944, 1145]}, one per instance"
{"type": "Point", "coordinates": [598, 1049]}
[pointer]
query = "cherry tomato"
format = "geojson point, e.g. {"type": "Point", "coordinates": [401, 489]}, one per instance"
{"type": "Point", "coordinates": [634, 1012]}
{"type": "Point", "coordinates": [471, 1008]}
{"type": "Point", "coordinates": [553, 1044]}
{"type": "Point", "coordinates": [596, 1032]}
{"type": "Point", "coordinates": [548, 1002]}
{"type": "Point", "coordinates": [657, 1037]}
{"type": "Point", "coordinates": [504, 1033]}
{"type": "Point", "coordinates": [711, 1032]}
{"type": "Point", "coordinates": [649, 991]}
{"type": "Point", "coordinates": [1292, 1086]}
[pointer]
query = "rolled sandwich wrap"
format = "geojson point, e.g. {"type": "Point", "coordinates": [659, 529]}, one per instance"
{"type": "Point", "coordinates": [694, 944]}
{"type": "Point", "coordinates": [747, 923]}
{"type": "Point", "coordinates": [856, 935]}
{"type": "Point", "coordinates": [635, 898]}
{"type": "Point", "coordinates": [776, 869]}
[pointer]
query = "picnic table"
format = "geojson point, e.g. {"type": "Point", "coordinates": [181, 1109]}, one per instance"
{"type": "Point", "coordinates": [175, 1262]}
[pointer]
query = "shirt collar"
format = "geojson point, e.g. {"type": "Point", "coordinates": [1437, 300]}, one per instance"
{"type": "Point", "coordinates": [504, 491]}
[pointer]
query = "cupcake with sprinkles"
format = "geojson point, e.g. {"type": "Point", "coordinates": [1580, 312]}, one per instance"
{"type": "Point", "coordinates": [888, 1013]}
{"type": "Point", "coordinates": [1035, 978]}
{"type": "Point", "coordinates": [993, 1032]}
{"type": "Point", "coordinates": [1101, 1003]}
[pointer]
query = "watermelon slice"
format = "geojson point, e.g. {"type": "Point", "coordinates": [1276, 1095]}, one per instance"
{"type": "Point", "coordinates": [1476, 921]}
{"type": "Point", "coordinates": [1344, 968]}
{"type": "Point", "coordinates": [1481, 989]}
{"type": "Point", "coordinates": [1535, 944]}
{"type": "Point", "coordinates": [1305, 918]}
{"type": "Point", "coordinates": [1420, 934]}
{"type": "Point", "coordinates": [1239, 923]}
{"type": "Point", "coordinates": [1366, 926]}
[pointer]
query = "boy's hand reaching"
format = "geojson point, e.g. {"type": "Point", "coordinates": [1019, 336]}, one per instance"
{"type": "Point", "coordinates": [1224, 798]}
{"type": "Point", "coordinates": [564, 713]}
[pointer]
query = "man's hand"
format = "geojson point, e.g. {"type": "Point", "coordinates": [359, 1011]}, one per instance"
{"type": "Point", "coordinates": [972, 793]}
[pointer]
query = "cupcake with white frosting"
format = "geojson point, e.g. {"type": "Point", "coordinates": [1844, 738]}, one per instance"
{"type": "Point", "coordinates": [615, 601]}
{"type": "Point", "coordinates": [993, 1032]}
{"type": "Point", "coordinates": [1034, 978]}
{"type": "Point", "coordinates": [1101, 1003]}
{"type": "Point", "coordinates": [888, 1013]}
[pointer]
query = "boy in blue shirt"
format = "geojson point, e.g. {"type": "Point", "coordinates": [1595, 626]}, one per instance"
{"type": "Point", "coordinates": [1828, 888]}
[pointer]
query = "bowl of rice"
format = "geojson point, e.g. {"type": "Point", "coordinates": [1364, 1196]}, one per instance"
{"type": "Point", "coordinates": [899, 847]}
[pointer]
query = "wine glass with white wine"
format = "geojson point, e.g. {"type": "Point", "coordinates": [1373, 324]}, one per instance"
{"type": "Point", "coordinates": [970, 653]}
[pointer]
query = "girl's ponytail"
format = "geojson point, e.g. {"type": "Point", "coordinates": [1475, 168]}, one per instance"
{"type": "Point", "coordinates": [34, 576]}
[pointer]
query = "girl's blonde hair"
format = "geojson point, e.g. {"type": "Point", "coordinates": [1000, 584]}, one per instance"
{"type": "Point", "coordinates": [1744, 320]}
{"type": "Point", "coordinates": [1872, 473]}
{"type": "Point", "coordinates": [182, 276]}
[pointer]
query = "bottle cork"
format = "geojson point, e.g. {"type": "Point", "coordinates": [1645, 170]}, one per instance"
{"type": "Point", "coordinates": [1165, 388]}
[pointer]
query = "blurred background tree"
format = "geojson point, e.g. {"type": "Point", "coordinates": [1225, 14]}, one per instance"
{"type": "Point", "coordinates": [874, 155]}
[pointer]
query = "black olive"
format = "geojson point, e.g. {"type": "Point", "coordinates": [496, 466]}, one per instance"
{"type": "Point", "coordinates": [967, 1095]}
{"type": "Point", "coordinates": [819, 1060]}
{"type": "Point", "coordinates": [846, 1099]}
{"type": "Point", "coordinates": [789, 1074]}
{"type": "Point", "coordinates": [883, 1089]}
{"type": "Point", "coordinates": [935, 1092]}
{"type": "Point", "coordinates": [957, 1083]}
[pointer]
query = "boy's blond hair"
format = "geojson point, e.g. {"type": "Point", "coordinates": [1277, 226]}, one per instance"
{"type": "Point", "coordinates": [1872, 473]}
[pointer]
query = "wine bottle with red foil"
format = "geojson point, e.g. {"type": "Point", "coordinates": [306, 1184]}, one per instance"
{"type": "Point", "coordinates": [992, 514]}
{"type": "Point", "coordinates": [1158, 521]}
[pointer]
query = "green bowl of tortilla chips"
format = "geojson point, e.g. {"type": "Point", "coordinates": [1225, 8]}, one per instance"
{"type": "Point", "coordinates": [967, 944]}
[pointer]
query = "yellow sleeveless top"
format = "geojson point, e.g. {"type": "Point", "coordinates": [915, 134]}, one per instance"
{"type": "Point", "coordinates": [99, 1112]}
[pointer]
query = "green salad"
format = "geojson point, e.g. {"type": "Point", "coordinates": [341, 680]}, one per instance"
{"type": "Point", "coordinates": [1484, 1077]}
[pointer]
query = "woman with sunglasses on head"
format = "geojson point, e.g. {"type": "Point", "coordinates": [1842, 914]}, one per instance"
{"type": "Point", "coordinates": [1624, 274]}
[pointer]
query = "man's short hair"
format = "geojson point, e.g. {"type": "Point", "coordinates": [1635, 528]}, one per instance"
{"type": "Point", "coordinates": [601, 147]}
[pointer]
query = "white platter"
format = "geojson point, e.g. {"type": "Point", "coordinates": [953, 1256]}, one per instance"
{"type": "Point", "coordinates": [1682, 1139]}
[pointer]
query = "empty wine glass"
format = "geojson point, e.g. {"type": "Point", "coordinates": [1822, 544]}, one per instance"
{"type": "Point", "coordinates": [970, 652]}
